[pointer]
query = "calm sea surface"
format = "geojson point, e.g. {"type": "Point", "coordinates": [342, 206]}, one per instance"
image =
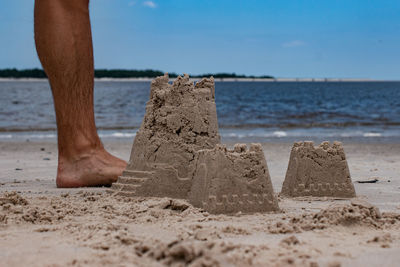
{"type": "Point", "coordinates": [248, 111]}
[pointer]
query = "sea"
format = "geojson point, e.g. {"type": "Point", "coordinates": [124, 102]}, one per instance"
{"type": "Point", "coordinates": [362, 112]}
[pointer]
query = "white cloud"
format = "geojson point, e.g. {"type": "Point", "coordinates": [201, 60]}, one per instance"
{"type": "Point", "coordinates": [132, 3]}
{"type": "Point", "coordinates": [150, 4]}
{"type": "Point", "coordinates": [295, 43]}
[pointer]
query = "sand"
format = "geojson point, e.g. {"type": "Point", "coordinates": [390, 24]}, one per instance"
{"type": "Point", "coordinates": [177, 153]}
{"type": "Point", "coordinates": [46, 226]}
{"type": "Point", "coordinates": [320, 171]}
{"type": "Point", "coordinates": [180, 119]}
{"type": "Point", "coordinates": [232, 180]}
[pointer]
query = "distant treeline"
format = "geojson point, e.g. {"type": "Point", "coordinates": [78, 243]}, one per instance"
{"type": "Point", "coordinates": [118, 73]}
{"type": "Point", "coordinates": [232, 75]}
{"type": "Point", "coordinates": [27, 73]}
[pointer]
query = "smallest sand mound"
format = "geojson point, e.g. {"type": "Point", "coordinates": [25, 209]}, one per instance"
{"type": "Point", "coordinates": [320, 171]}
{"type": "Point", "coordinates": [229, 181]}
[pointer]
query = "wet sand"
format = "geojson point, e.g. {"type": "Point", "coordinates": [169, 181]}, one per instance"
{"type": "Point", "coordinates": [88, 227]}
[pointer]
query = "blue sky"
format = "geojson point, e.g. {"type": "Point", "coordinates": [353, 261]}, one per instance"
{"type": "Point", "coordinates": [297, 38]}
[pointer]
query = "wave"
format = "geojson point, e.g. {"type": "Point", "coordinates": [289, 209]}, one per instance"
{"type": "Point", "coordinates": [53, 129]}
{"type": "Point", "coordinates": [267, 126]}
{"type": "Point", "coordinates": [28, 136]}
{"type": "Point", "coordinates": [40, 135]}
{"type": "Point", "coordinates": [304, 133]}
{"type": "Point", "coordinates": [118, 135]}
{"type": "Point", "coordinates": [259, 134]}
{"type": "Point", "coordinates": [372, 134]}
{"type": "Point", "coordinates": [307, 125]}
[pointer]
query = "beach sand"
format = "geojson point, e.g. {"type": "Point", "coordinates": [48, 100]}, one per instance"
{"type": "Point", "coordinates": [45, 226]}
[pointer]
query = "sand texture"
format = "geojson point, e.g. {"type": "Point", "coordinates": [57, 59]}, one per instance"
{"type": "Point", "coordinates": [180, 119]}
{"type": "Point", "coordinates": [176, 153]}
{"type": "Point", "coordinates": [124, 231]}
{"type": "Point", "coordinates": [41, 225]}
{"type": "Point", "coordinates": [320, 171]}
{"type": "Point", "coordinates": [230, 181]}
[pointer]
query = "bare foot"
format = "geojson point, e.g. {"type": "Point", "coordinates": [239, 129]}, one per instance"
{"type": "Point", "coordinates": [95, 168]}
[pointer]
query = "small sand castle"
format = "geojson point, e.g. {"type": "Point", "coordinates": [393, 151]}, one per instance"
{"type": "Point", "coordinates": [229, 181]}
{"type": "Point", "coordinates": [180, 119]}
{"type": "Point", "coordinates": [318, 171]}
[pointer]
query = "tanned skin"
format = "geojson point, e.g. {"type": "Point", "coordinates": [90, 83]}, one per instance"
{"type": "Point", "coordinates": [64, 45]}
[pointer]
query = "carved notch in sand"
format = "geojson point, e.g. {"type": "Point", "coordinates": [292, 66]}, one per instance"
{"type": "Point", "coordinates": [318, 171]}
{"type": "Point", "coordinates": [229, 181]}
{"type": "Point", "coordinates": [180, 119]}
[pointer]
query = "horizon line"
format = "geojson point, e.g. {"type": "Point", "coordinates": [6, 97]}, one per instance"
{"type": "Point", "coordinates": [155, 73]}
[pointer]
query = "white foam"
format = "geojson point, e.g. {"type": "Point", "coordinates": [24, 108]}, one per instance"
{"type": "Point", "coordinates": [123, 134]}
{"type": "Point", "coordinates": [54, 135]}
{"type": "Point", "coordinates": [280, 134]}
{"type": "Point", "coordinates": [27, 136]}
{"type": "Point", "coordinates": [234, 135]}
{"type": "Point", "coordinates": [44, 136]}
{"type": "Point", "coordinates": [118, 135]}
{"type": "Point", "coordinates": [372, 134]}
{"type": "Point", "coordinates": [259, 134]}
{"type": "Point", "coordinates": [36, 136]}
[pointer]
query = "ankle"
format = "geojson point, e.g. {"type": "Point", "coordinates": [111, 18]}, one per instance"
{"type": "Point", "coordinates": [78, 148]}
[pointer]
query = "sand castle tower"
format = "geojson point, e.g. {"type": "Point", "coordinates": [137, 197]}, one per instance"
{"type": "Point", "coordinates": [180, 119]}
{"type": "Point", "coordinates": [318, 171]}
{"type": "Point", "coordinates": [229, 181]}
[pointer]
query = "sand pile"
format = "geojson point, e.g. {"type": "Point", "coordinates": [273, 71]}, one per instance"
{"type": "Point", "coordinates": [197, 253]}
{"type": "Point", "coordinates": [92, 228]}
{"type": "Point", "coordinates": [229, 181]}
{"type": "Point", "coordinates": [357, 213]}
{"type": "Point", "coordinates": [318, 171]}
{"type": "Point", "coordinates": [16, 210]}
{"type": "Point", "coordinates": [12, 198]}
{"type": "Point", "coordinates": [180, 119]}
{"type": "Point", "coordinates": [176, 153]}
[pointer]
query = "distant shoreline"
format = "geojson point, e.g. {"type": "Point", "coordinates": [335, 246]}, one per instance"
{"type": "Point", "coordinates": [145, 79]}
{"type": "Point", "coordinates": [147, 75]}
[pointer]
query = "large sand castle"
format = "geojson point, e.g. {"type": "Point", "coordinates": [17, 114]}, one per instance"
{"type": "Point", "coordinates": [229, 181]}
{"type": "Point", "coordinates": [318, 171]}
{"type": "Point", "coordinates": [180, 119]}
{"type": "Point", "coordinates": [176, 153]}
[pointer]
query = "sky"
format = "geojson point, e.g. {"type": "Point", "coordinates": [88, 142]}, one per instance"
{"type": "Point", "coordinates": [283, 38]}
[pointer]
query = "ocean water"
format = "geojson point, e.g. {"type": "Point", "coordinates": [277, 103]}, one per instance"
{"type": "Point", "coordinates": [247, 111]}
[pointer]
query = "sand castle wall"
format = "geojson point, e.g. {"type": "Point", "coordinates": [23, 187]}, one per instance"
{"type": "Point", "coordinates": [318, 171]}
{"type": "Point", "coordinates": [180, 119]}
{"type": "Point", "coordinates": [229, 181]}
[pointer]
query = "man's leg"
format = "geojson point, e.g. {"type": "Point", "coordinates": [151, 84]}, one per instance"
{"type": "Point", "coordinates": [64, 45]}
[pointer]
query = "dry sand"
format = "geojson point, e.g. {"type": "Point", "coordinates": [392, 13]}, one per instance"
{"type": "Point", "coordinates": [227, 181]}
{"type": "Point", "coordinates": [319, 171]}
{"type": "Point", "coordinates": [177, 153]}
{"type": "Point", "coordinates": [46, 226]}
{"type": "Point", "coordinates": [180, 119]}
